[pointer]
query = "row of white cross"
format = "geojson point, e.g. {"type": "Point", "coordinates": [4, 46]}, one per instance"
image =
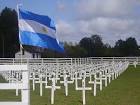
{"type": "Point", "coordinates": [17, 77]}
{"type": "Point", "coordinates": [70, 73]}
{"type": "Point", "coordinates": [50, 73]}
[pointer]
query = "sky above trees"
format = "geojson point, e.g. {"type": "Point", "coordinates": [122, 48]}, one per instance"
{"type": "Point", "coordinates": [75, 19]}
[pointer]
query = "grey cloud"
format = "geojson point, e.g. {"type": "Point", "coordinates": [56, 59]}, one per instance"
{"type": "Point", "coordinates": [113, 19]}
{"type": "Point", "coordinates": [107, 8]}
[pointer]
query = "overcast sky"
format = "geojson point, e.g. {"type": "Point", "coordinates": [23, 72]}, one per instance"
{"type": "Point", "coordinates": [75, 19]}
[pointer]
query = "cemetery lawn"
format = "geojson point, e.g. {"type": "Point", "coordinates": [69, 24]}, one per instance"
{"type": "Point", "coordinates": [125, 90]}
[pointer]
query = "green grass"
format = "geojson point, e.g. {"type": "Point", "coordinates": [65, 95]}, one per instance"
{"type": "Point", "coordinates": [125, 90]}
{"type": "Point", "coordinates": [8, 95]}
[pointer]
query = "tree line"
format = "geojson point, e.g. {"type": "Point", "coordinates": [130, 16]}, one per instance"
{"type": "Point", "coordinates": [9, 44]}
{"type": "Point", "coordinates": [87, 47]}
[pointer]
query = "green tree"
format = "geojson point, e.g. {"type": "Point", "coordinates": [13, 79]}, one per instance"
{"type": "Point", "coordinates": [93, 45]}
{"type": "Point", "coordinates": [119, 49]}
{"type": "Point", "coordinates": [108, 51]}
{"type": "Point", "coordinates": [129, 47]}
{"type": "Point", "coordinates": [86, 43]}
{"type": "Point", "coordinates": [74, 51]}
{"type": "Point", "coordinates": [8, 33]}
{"type": "Point", "coordinates": [132, 48]}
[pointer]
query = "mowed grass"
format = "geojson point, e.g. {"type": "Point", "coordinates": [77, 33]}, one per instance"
{"type": "Point", "coordinates": [125, 90]}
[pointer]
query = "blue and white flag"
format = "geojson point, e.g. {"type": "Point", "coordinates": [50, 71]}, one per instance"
{"type": "Point", "coordinates": [38, 30]}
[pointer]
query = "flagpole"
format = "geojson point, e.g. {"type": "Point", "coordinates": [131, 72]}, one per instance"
{"type": "Point", "coordinates": [21, 48]}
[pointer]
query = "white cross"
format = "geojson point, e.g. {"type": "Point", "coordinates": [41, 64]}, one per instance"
{"type": "Point", "coordinates": [53, 88]}
{"type": "Point", "coordinates": [76, 80]}
{"type": "Point", "coordinates": [135, 64]}
{"type": "Point", "coordinates": [84, 88]}
{"type": "Point", "coordinates": [41, 83]}
{"type": "Point", "coordinates": [66, 82]}
{"type": "Point", "coordinates": [95, 82]}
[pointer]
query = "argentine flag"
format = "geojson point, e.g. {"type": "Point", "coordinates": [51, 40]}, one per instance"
{"type": "Point", "coordinates": [38, 30]}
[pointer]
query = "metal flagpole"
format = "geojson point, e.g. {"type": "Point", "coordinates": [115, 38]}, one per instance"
{"type": "Point", "coordinates": [21, 48]}
{"type": "Point", "coordinates": [25, 92]}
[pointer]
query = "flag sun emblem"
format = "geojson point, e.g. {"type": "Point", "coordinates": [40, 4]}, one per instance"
{"type": "Point", "coordinates": [45, 29]}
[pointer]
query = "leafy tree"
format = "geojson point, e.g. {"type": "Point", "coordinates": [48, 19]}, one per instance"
{"type": "Point", "coordinates": [132, 48]}
{"type": "Point", "coordinates": [86, 43]}
{"type": "Point", "coordinates": [8, 33]}
{"type": "Point", "coordinates": [97, 45]}
{"type": "Point", "coordinates": [119, 48]}
{"type": "Point", "coordinates": [74, 51]}
{"type": "Point", "coordinates": [108, 51]}
{"type": "Point", "coordinates": [93, 45]}
{"type": "Point", "coordinates": [129, 47]}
